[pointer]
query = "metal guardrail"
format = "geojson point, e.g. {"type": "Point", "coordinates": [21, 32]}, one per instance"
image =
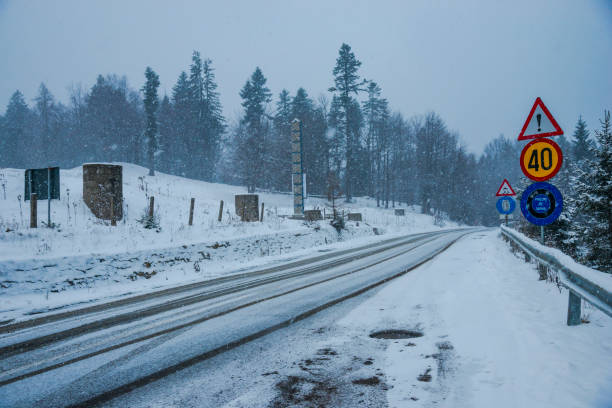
{"type": "Point", "coordinates": [579, 287]}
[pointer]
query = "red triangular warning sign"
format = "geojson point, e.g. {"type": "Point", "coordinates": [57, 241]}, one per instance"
{"type": "Point", "coordinates": [505, 190]}
{"type": "Point", "coordinates": [539, 123]}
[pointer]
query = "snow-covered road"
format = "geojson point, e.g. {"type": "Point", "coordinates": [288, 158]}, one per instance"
{"type": "Point", "coordinates": [158, 345]}
{"type": "Point", "coordinates": [493, 336]}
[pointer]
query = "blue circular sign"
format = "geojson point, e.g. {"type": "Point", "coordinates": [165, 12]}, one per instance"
{"type": "Point", "coordinates": [506, 205]}
{"type": "Point", "coordinates": [541, 203]}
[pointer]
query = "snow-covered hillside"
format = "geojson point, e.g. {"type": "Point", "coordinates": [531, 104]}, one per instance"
{"type": "Point", "coordinates": [81, 233]}
{"type": "Point", "coordinates": [91, 259]}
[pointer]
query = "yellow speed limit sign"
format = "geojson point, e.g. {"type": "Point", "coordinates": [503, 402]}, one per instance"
{"type": "Point", "coordinates": [541, 159]}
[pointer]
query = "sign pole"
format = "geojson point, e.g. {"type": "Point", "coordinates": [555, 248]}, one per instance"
{"type": "Point", "coordinates": [33, 210]}
{"type": "Point", "coordinates": [49, 197]}
{"type": "Point", "coordinates": [31, 182]}
{"type": "Point", "coordinates": [541, 159]}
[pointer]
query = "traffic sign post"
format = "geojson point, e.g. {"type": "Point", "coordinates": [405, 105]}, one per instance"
{"type": "Point", "coordinates": [505, 207]}
{"type": "Point", "coordinates": [541, 159]}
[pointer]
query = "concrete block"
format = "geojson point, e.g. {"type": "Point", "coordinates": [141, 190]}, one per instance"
{"type": "Point", "coordinates": [354, 217]}
{"type": "Point", "coordinates": [247, 207]}
{"type": "Point", "coordinates": [313, 215]}
{"type": "Point", "coordinates": [101, 183]}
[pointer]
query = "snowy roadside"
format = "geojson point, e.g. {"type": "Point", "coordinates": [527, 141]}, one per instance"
{"type": "Point", "coordinates": [80, 233]}
{"type": "Point", "coordinates": [44, 285]}
{"type": "Point", "coordinates": [599, 278]}
{"type": "Point", "coordinates": [493, 335]}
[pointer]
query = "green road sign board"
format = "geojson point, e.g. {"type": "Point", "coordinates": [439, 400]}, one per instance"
{"type": "Point", "coordinates": [37, 182]}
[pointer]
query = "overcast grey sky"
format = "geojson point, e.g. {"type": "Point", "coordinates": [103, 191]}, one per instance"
{"type": "Point", "coordinates": [479, 64]}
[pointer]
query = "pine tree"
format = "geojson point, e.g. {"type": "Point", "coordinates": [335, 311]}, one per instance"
{"type": "Point", "coordinates": [2, 139]}
{"type": "Point", "coordinates": [252, 141]}
{"type": "Point", "coordinates": [581, 144]}
{"type": "Point", "coordinates": [113, 121]}
{"type": "Point", "coordinates": [336, 140]}
{"type": "Point", "coordinates": [314, 143]}
{"type": "Point", "coordinates": [562, 232]}
{"type": "Point", "coordinates": [196, 126]}
{"type": "Point", "coordinates": [181, 122]}
{"type": "Point", "coordinates": [376, 112]}
{"type": "Point", "coordinates": [371, 111]}
{"type": "Point", "coordinates": [398, 138]}
{"type": "Point", "coordinates": [46, 111]}
{"type": "Point", "coordinates": [16, 133]}
{"type": "Point", "coordinates": [347, 83]}
{"type": "Point", "coordinates": [213, 120]}
{"type": "Point", "coordinates": [283, 114]}
{"type": "Point", "coordinates": [166, 149]}
{"type": "Point", "coordinates": [199, 119]}
{"type": "Point", "coordinates": [404, 162]}
{"type": "Point", "coordinates": [151, 103]}
{"type": "Point", "coordinates": [595, 199]}
{"type": "Point", "coordinates": [280, 149]}
{"type": "Point", "coordinates": [428, 151]}
{"type": "Point", "coordinates": [77, 127]}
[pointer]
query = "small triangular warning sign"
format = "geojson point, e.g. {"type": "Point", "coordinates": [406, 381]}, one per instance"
{"type": "Point", "coordinates": [539, 123]}
{"type": "Point", "coordinates": [505, 190]}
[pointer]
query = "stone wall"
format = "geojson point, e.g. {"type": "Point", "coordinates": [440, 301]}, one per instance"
{"type": "Point", "coordinates": [247, 207]}
{"type": "Point", "coordinates": [100, 183]}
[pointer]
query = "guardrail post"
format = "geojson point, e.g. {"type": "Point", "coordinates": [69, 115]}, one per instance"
{"type": "Point", "coordinates": [542, 271]}
{"type": "Point", "coordinates": [573, 310]}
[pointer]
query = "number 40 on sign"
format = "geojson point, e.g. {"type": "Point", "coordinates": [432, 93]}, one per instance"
{"type": "Point", "coordinates": [541, 159]}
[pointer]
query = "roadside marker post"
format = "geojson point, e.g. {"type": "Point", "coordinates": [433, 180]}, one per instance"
{"type": "Point", "coordinates": [48, 197]}
{"type": "Point", "coordinates": [191, 205]}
